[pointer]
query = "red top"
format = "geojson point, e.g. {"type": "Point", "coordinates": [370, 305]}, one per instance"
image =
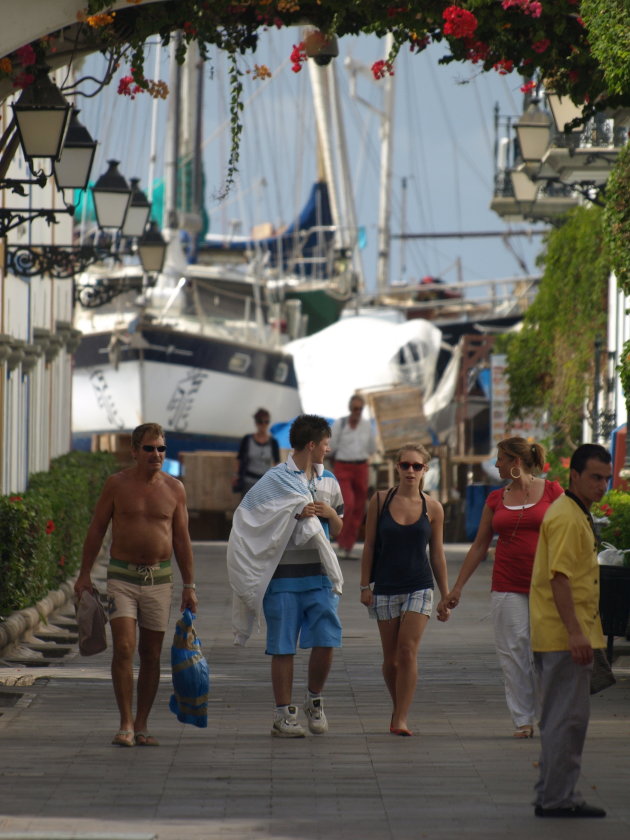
{"type": "Point", "coordinates": [514, 557]}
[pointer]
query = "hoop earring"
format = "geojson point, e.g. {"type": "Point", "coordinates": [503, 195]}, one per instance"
{"type": "Point", "coordinates": [515, 477]}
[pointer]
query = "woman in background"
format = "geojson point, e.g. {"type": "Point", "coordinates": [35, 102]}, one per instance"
{"type": "Point", "coordinates": [257, 453]}
{"type": "Point", "coordinates": [515, 513]}
{"type": "Point", "coordinates": [401, 524]}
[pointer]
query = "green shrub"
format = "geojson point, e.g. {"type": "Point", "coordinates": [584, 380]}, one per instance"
{"type": "Point", "coordinates": [42, 530]}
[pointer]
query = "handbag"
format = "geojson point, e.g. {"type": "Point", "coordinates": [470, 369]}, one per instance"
{"type": "Point", "coordinates": [91, 621]}
{"type": "Point", "coordinates": [191, 677]}
{"type": "Point", "coordinates": [601, 676]}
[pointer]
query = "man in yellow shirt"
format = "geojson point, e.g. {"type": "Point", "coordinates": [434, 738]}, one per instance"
{"type": "Point", "coordinates": [565, 628]}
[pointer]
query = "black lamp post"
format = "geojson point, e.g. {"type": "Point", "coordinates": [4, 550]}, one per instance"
{"type": "Point", "coordinates": [152, 249]}
{"type": "Point", "coordinates": [72, 170]}
{"type": "Point", "coordinates": [42, 116]}
{"type": "Point", "coordinates": [138, 211]}
{"type": "Point", "coordinates": [111, 195]}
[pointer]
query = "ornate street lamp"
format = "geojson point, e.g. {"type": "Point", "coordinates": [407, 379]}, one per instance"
{"type": "Point", "coordinates": [42, 116]}
{"type": "Point", "coordinates": [152, 249]}
{"type": "Point", "coordinates": [111, 195]}
{"type": "Point", "coordinates": [72, 170]}
{"type": "Point", "coordinates": [533, 130]}
{"type": "Point", "coordinates": [138, 211]}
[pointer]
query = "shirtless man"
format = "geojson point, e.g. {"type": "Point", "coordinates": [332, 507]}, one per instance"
{"type": "Point", "coordinates": [147, 509]}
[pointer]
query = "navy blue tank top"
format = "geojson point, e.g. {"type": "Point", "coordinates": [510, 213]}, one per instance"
{"type": "Point", "coordinates": [402, 565]}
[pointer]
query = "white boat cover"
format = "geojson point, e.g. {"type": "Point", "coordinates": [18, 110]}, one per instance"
{"type": "Point", "coordinates": [363, 352]}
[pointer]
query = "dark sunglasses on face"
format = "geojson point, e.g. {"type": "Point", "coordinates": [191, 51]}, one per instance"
{"type": "Point", "coordinates": [147, 448]}
{"type": "Point", "coordinates": [263, 422]}
{"type": "Point", "coordinates": [404, 465]}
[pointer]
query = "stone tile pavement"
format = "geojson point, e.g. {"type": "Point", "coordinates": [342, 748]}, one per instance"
{"type": "Point", "coordinates": [460, 776]}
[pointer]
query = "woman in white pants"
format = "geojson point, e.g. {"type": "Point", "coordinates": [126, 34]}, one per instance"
{"type": "Point", "coordinates": [515, 513]}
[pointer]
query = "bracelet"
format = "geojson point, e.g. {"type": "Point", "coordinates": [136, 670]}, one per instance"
{"type": "Point", "coordinates": [363, 588]}
{"type": "Point", "coordinates": [189, 586]}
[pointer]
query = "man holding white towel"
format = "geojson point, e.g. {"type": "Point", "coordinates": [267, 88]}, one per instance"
{"type": "Point", "coordinates": [280, 560]}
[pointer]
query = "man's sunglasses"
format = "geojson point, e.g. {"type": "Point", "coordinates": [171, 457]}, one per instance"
{"type": "Point", "coordinates": [404, 466]}
{"type": "Point", "coordinates": [147, 448]}
{"type": "Point", "coordinates": [263, 422]}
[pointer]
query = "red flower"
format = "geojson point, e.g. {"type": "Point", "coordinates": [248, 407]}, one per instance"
{"type": "Point", "coordinates": [50, 526]}
{"type": "Point", "coordinates": [476, 50]}
{"type": "Point", "coordinates": [460, 23]}
{"type": "Point", "coordinates": [541, 46]}
{"type": "Point", "coordinates": [298, 57]}
{"type": "Point", "coordinates": [26, 55]}
{"type": "Point", "coordinates": [127, 87]}
{"type": "Point", "coordinates": [381, 68]}
{"type": "Point", "coordinates": [504, 66]}
{"type": "Point", "coordinates": [547, 465]}
{"type": "Point", "coordinates": [15, 498]}
{"type": "Point", "coordinates": [62, 561]}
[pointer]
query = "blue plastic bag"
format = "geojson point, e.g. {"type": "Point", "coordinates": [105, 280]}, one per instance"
{"type": "Point", "coordinates": [191, 678]}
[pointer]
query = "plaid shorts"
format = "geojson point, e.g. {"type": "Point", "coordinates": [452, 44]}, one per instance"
{"type": "Point", "coordinates": [384, 607]}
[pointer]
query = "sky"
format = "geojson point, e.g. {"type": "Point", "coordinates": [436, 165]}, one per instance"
{"type": "Point", "coordinates": [443, 159]}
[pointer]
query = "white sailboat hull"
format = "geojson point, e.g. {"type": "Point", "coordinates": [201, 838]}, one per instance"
{"type": "Point", "coordinates": [193, 385]}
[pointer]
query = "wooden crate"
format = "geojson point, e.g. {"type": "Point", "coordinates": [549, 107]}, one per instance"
{"type": "Point", "coordinates": [207, 477]}
{"type": "Point", "coordinates": [118, 443]}
{"type": "Point", "coordinates": [399, 416]}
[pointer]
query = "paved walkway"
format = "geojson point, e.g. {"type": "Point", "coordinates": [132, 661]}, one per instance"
{"type": "Point", "coordinates": [462, 775]}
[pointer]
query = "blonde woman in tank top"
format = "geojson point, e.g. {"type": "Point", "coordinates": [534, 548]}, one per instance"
{"type": "Point", "coordinates": [397, 575]}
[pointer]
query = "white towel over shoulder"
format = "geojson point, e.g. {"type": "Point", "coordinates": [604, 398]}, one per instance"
{"type": "Point", "coordinates": [262, 526]}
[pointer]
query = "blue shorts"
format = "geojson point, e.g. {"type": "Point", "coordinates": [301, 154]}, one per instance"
{"type": "Point", "coordinates": [386, 607]}
{"type": "Point", "coordinates": [310, 616]}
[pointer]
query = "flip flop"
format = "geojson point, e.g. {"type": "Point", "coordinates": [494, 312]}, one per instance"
{"type": "Point", "coordinates": [124, 738]}
{"type": "Point", "coordinates": [143, 739]}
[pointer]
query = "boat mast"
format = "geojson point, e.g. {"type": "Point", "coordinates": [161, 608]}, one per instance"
{"type": "Point", "coordinates": [384, 211]}
{"type": "Point", "coordinates": [330, 125]}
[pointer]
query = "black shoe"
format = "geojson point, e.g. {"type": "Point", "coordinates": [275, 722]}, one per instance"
{"type": "Point", "coordinates": [582, 810]}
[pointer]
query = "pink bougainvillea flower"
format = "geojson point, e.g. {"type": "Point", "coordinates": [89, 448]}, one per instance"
{"type": "Point", "coordinates": [528, 7]}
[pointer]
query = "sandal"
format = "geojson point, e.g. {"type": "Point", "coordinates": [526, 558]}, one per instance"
{"type": "Point", "coordinates": [523, 732]}
{"type": "Point", "coordinates": [143, 739]}
{"type": "Point", "coordinates": [124, 738]}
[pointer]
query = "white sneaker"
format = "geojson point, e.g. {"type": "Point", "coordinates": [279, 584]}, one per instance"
{"type": "Point", "coordinates": [314, 711]}
{"type": "Point", "coordinates": [285, 724]}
